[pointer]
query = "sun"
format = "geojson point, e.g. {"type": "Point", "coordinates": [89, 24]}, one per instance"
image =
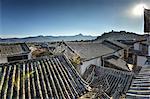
{"type": "Point", "coordinates": [138, 10]}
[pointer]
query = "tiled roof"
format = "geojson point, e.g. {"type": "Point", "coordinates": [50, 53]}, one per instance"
{"type": "Point", "coordinates": [13, 49]}
{"type": "Point", "coordinates": [118, 43]}
{"type": "Point", "coordinates": [145, 42]}
{"type": "Point", "coordinates": [111, 44]}
{"type": "Point", "coordinates": [44, 78]}
{"type": "Point", "coordinates": [89, 50]}
{"type": "Point", "coordinates": [110, 79]}
{"type": "Point", "coordinates": [119, 63]}
{"type": "Point", "coordinates": [140, 87]}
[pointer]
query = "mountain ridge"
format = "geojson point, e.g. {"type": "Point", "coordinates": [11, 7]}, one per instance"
{"type": "Point", "coordinates": [112, 35]}
{"type": "Point", "coordinates": [120, 35]}
{"type": "Point", "coordinates": [42, 38]}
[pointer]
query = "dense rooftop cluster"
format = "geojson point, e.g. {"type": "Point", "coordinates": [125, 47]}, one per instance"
{"type": "Point", "coordinates": [109, 67]}
{"type": "Point", "coordinates": [111, 80]}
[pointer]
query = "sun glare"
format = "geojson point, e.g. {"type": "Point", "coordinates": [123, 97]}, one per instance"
{"type": "Point", "coordinates": [138, 10]}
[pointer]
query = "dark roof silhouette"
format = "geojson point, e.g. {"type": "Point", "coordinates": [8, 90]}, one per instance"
{"type": "Point", "coordinates": [110, 79]}
{"type": "Point", "coordinates": [52, 77]}
{"type": "Point", "coordinates": [140, 87]}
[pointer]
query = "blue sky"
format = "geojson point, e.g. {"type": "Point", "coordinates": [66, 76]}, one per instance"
{"type": "Point", "coordinates": [21, 18]}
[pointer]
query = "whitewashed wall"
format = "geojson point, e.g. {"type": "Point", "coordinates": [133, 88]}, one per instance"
{"type": "Point", "coordinates": [29, 55]}
{"type": "Point", "coordinates": [141, 60]}
{"type": "Point", "coordinates": [136, 46]}
{"type": "Point", "coordinates": [96, 61]}
{"type": "Point", "coordinates": [149, 50]}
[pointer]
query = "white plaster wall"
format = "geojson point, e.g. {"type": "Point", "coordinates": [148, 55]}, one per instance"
{"type": "Point", "coordinates": [149, 50]}
{"type": "Point", "coordinates": [136, 46]}
{"type": "Point", "coordinates": [29, 55]}
{"type": "Point", "coordinates": [141, 60]}
{"type": "Point", "coordinates": [85, 64]}
{"type": "Point", "coordinates": [3, 60]}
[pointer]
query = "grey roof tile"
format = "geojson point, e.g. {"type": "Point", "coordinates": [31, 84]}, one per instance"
{"type": "Point", "coordinates": [53, 77]}
{"type": "Point", "coordinates": [13, 49]}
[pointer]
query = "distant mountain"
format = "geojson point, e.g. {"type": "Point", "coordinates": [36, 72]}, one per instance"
{"type": "Point", "coordinates": [40, 38]}
{"type": "Point", "coordinates": [122, 35]}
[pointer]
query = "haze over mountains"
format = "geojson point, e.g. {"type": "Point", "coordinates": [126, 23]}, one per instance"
{"type": "Point", "coordinates": [113, 35]}
{"type": "Point", "coordinates": [41, 38]}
